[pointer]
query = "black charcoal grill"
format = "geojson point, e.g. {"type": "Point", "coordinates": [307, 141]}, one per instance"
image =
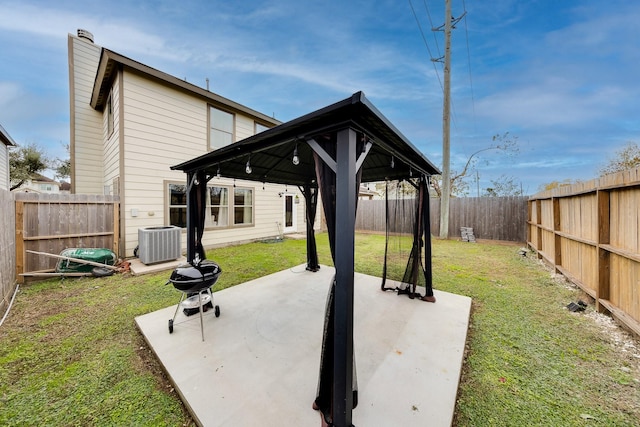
{"type": "Point", "coordinates": [195, 282]}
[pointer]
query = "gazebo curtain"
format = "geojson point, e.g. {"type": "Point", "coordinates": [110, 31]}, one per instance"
{"type": "Point", "coordinates": [327, 184]}
{"type": "Point", "coordinates": [310, 194]}
{"type": "Point", "coordinates": [196, 210]}
{"type": "Point", "coordinates": [399, 209]}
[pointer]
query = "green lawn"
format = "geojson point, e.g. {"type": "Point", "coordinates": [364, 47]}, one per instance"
{"type": "Point", "coordinates": [70, 353]}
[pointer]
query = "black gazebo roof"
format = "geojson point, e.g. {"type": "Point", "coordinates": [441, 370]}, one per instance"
{"type": "Point", "coordinates": [335, 134]}
{"type": "Point", "coordinates": [270, 153]}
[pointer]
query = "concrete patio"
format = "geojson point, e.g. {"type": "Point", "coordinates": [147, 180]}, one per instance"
{"type": "Point", "coordinates": [259, 362]}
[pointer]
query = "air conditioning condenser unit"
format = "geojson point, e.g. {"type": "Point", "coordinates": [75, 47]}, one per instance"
{"type": "Point", "coordinates": [159, 244]}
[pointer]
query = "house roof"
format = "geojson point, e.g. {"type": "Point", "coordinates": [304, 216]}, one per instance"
{"type": "Point", "coordinates": [110, 61]}
{"type": "Point", "coordinates": [270, 152]}
{"type": "Point", "coordinates": [41, 178]}
{"type": "Point", "coordinates": [6, 138]}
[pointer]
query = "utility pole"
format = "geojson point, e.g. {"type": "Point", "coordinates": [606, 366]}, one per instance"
{"type": "Point", "coordinates": [449, 23]}
{"type": "Point", "coordinates": [446, 127]}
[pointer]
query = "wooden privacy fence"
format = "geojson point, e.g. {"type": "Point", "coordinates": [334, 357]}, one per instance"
{"type": "Point", "coordinates": [590, 233]}
{"type": "Point", "coordinates": [51, 223]}
{"type": "Point", "coordinates": [7, 249]}
{"type": "Point", "coordinates": [492, 218]}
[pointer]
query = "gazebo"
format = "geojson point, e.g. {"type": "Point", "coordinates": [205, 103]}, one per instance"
{"type": "Point", "coordinates": [327, 152]}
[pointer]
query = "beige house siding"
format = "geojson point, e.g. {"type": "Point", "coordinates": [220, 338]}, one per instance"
{"type": "Point", "coordinates": [162, 127]}
{"type": "Point", "coordinates": [268, 210]}
{"type": "Point", "coordinates": [245, 127]}
{"type": "Point", "coordinates": [111, 149]}
{"type": "Point", "coordinates": [158, 123]}
{"type": "Point", "coordinates": [86, 124]}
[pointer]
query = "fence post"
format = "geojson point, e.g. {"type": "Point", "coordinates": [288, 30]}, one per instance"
{"type": "Point", "coordinates": [528, 234]}
{"type": "Point", "coordinates": [20, 254]}
{"type": "Point", "coordinates": [604, 235]}
{"type": "Point", "coordinates": [116, 228]}
{"type": "Point", "coordinates": [557, 239]}
{"type": "Point", "coordinates": [539, 227]}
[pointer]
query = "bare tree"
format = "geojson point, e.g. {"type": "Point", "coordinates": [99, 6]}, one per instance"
{"type": "Point", "coordinates": [397, 190]}
{"type": "Point", "coordinates": [505, 143]}
{"type": "Point", "coordinates": [504, 186]}
{"type": "Point", "coordinates": [458, 187]}
{"type": "Point", "coordinates": [628, 157]}
{"type": "Point", "coordinates": [63, 166]}
{"type": "Point", "coordinates": [557, 184]}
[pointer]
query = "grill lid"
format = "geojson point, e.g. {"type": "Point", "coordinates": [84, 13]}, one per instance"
{"type": "Point", "coordinates": [192, 278]}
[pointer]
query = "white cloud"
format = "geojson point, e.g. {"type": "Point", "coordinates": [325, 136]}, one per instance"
{"type": "Point", "coordinates": [565, 82]}
{"type": "Point", "coordinates": [549, 104]}
{"type": "Point", "coordinates": [51, 23]}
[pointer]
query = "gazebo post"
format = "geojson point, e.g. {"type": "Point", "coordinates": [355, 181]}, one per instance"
{"type": "Point", "coordinates": [191, 227]}
{"type": "Point", "coordinates": [346, 194]}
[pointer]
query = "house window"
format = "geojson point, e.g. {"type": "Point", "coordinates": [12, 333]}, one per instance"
{"type": "Point", "coordinates": [243, 206]}
{"type": "Point", "coordinates": [109, 116]}
{"type": "Point", "coordinates": [178, 205]}
{"type": "Point", "coordinates": [219, 206]}
{"type": "Point", "coordinates": [220, 128]}
{"type": "Point", "coordinates": [260, 128]}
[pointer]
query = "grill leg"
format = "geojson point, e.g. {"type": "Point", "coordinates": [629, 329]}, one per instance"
{"type": "Point", "coordinates": [178, 307]}
{"type": "Point", "coordinates": [201, 322]}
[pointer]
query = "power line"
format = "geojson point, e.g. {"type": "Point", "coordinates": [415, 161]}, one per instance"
{"type": "Point", "coordinates": [440, 56]}
{"type": "Point", "coordinates": [466, 31]}
{"type": "Point", "coordinates": [439, 59]}
{"type": "Point", "coordinates": [452, 23]}
{"type": "Point", "coordinates": [424, 39]}
{"type": "Point", "coordinates": [431, 23]}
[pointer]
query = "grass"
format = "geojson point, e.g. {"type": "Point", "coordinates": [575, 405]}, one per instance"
{"type": "Point", "coordinates": [70, 353]}
{"type": "Point", "coordinates": [531, 361]}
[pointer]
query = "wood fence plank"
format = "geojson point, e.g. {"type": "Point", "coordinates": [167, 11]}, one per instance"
{"type": "Point", "coordinates": [599, 235]}
{"type": "Point", "coordinates": [493, 218]}
{"type": "Point", "coordinates": [52, 223]}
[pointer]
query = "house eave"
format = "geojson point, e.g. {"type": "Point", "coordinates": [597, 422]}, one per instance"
{"type": "Point", "coordinates": [111, 61]}
{"type": "Point", "coordinates": [6, 138]}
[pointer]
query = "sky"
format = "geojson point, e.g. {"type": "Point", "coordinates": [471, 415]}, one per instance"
{"type": "Point", "coordinates": [559, 77]}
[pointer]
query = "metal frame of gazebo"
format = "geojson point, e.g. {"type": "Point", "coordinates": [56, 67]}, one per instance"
{"type": "Point", "coordinates": [337, 148]}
